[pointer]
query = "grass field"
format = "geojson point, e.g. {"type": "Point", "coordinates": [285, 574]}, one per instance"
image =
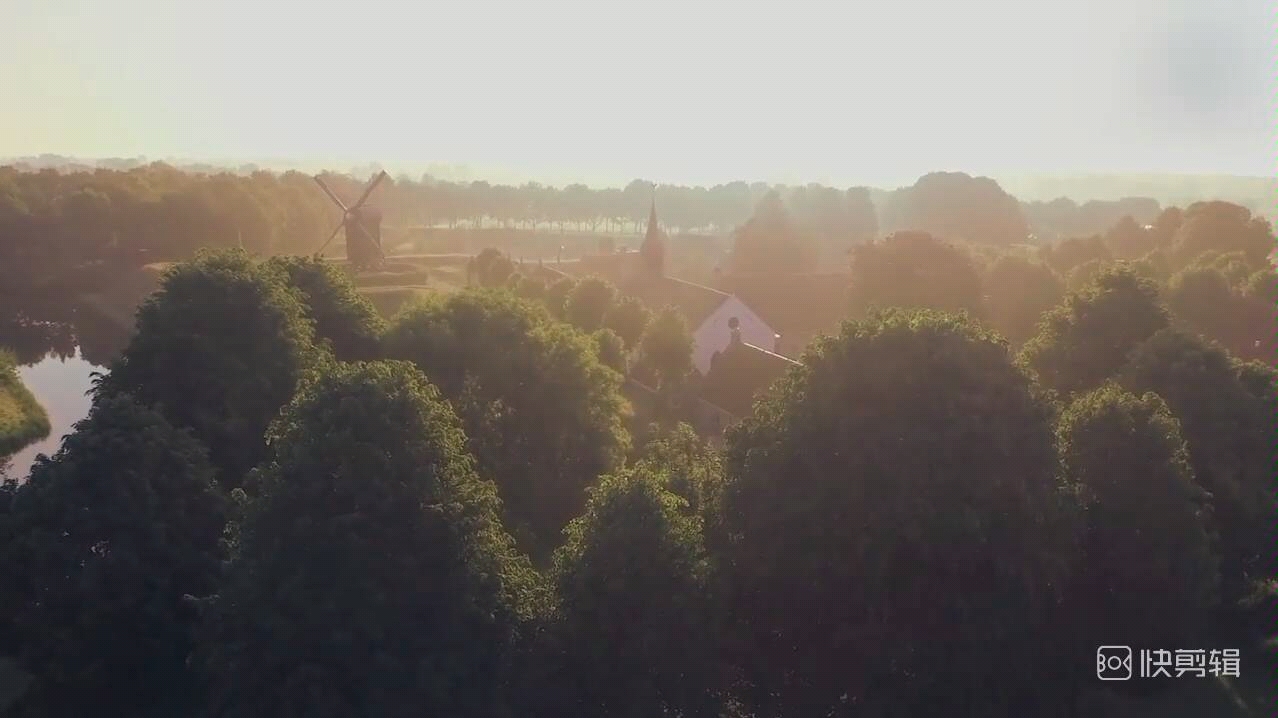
{"type": "Point", "coordinates": [22, 419]}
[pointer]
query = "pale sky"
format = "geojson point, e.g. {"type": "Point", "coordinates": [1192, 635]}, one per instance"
{"type": "Point", "coordinates": [695, 92]}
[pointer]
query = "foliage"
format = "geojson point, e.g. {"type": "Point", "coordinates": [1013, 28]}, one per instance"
{"type": "Point", "coordinates": [956, 206]}
{"type": "Point", "coordinates": [531, 288]}
{"type": "Point", "coordinates": [1228, 427]}
{"type": "Point", "coordinates": [771, 241]}
{"type": "Point", "coordinates": [893, 526]}
{"type": "Point", "coordinates": [666, 347]}
{"type": "Point", "coordinates": [22, 419]}
{"type": "Point", "coordinates": [101, 545]}
{"type": "Point", "coordinates": [218, 350]}
{"type": "Point", "coordinates": [372, 575]}
{"type": "Point", "coordinates": [543, 416]}
{"type": "Point", "coordinates": [490, 268]}
{"type": "Point", "coordinates": [1017, 294]}
{"type": "Point", "coordinates": [1066, 255]}
{"type": "Point", "coordinates": [557, 296]}
{"type": "Point", "coordinates": [1224, 227]}
{"type": "Point", "coordinates": [632, 582]}
{"type": "Point", "coordinates": [1086, 339]}
{"type": "Point", "coordinates": [611, 350]}
{"type": "Point", "coordinates": [589, 302]}
{"type": "Point", "coordinates": [1236, 311]}
{"type": "Point", "coordinates": [343, 317]}
{"type": "Point", "coordinates": [628, 317]}
{"type": "Point", "coordinates": [1148, 576]}
{"type": "Point", "coordinates": [914, 270]}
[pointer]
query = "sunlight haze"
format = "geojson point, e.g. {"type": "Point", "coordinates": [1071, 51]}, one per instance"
{"type": "Point", "coordinates": [693, 92]}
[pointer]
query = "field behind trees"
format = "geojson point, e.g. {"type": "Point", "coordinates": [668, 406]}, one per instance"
{"type": "Point", "coordinates": [422, 490]}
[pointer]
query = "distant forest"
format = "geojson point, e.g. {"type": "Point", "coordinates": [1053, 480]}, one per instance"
{"type": "Point", "coordinates": [54, 219]}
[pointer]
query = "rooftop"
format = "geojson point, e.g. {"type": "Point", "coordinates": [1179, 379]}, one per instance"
{"type": "Point", "coordinates": [793, 303]}
{"type": "Point", "coordinates": [695, 301]}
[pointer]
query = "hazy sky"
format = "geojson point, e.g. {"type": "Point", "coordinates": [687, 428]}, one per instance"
{"type": "Point", "coordinates": [846, 92]}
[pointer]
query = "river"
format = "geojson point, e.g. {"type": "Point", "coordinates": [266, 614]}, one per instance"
{"type": "Point", "coordinates": [59, 346]}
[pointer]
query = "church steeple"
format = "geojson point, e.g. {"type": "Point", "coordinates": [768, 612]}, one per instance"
{"type": "Point", "coordinates": [653, 250]}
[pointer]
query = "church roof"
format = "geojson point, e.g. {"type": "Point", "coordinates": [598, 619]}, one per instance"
{"type": "Point", "coordinates": [793, 303]}
{"type": "Point", "coordinates": [695, 301]}
{"type": "Point", "coordinates": [739, 373]}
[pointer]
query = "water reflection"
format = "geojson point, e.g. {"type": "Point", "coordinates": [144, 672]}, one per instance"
{"type": "Point", "coordinates": [59, 344]}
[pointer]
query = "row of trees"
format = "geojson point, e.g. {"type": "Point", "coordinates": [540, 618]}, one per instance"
{"type": "Point", "coordinates": [1210, 262]}
{"type": "Point", "coordinates": [52, 221]}
{"type": "Point", "coordinates": [254, 522]}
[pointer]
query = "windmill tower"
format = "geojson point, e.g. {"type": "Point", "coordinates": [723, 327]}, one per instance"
{"type": "Point", "coordinates": [363, 227]}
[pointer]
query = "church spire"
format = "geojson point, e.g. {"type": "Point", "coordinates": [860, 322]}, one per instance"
{"type": "Point", "coordinates": [653, 249]}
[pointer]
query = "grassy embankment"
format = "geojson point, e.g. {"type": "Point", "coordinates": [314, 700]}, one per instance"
{"type": "Point", "coordinates": [22, 419]}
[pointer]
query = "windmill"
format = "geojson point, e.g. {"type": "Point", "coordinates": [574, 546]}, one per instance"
{"type": "Point", "coordinates": [363, 226]}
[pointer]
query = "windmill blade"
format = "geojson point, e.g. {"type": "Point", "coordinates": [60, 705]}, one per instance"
{"type": "Point", "coordinates": [330, 194]}
{"type": "Point", "coordinates": [336, 229]}
{"type": "Point", "coordinates": [371, 186]}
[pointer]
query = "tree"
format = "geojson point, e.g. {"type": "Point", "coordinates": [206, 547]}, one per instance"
{"type": "Point", "coordinates": [101, 544]}
{"type": "Point", "coordinates": [343, 317]}
{"type": "Point", "coordinates": [491, 268]}
{"type": "Point", "coordinates": [1224, 227]}
{"type": "Point", "coordinates": [666, 348]}
{"type": "Point", "coordinates": [632, 582]}
{"type": "Point", "coordinates": [543, 416]}
{"type": "Point", "coordinates": [589, 302]}
{"type": "Point", "coordinates": [1129, 240]}
{"type": "Point", "coordinates": [531, 288]}
{"type": "Point", "coordinates": [914, 270]}
{"type": "Point", "coordinates": [893, 526]}
{"type": "Point", "coordinates": [611, 350]}
{"type": "Point", "coordinates": [219, 349]}
{"type": "Point", "coordinates": [1068, 254]}
{"type": "Point", "coordinates": [1087, 338]}
{"type": "Point", "coordinates": [956, 206]}
{"type": "Point", "coordinates": [1147, 575]}
{"type": "Point", "coordinates": [771, 241]}
{"type": "Point", "coordinates": [1017, 294]}
{"type": "Point", "coordinates": [557, 296]}
{"type": "Point", "coordinates": [628, 317]}
{"type": "Point", "coordinates": [372, 574]}
{"type": "Point", "coordinates": [1229, 431]}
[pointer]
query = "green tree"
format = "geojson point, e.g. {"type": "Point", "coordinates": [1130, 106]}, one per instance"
{"type": "Point", "coordinates": [220, 347]}
{"type": "Point", "coordinates": [343, 317]}
{"type": "Point", "coordinates": [771, 241]}
{"type": "Point", "coordinates": [611, 350]}
{"type": "Point", "coordinates": [1087, 338]}
{"type": "Point", "coordinates": [894, 527]}
{"type": "Point", "coordinates": [372, 574]}
{"type": "Point", "coordinates": [557, 296]}
{"type": "Point", "coordinates": [490, 268]}
{"type": "Point", "coordinates": [914, 270]}
{"type": "Point", "coordinates": [589, 303]}
{"type": "Point", "coordinates": [632, 582]}
{"type": "Point", "coordinates": [1068, 254]}
{"type": "Point", "coordinates": [666, 348]}
{"type": "Point", "coordinates": [1224, 227]}
{"type": "Point", "coordinates": [101, 544]}
{"type": "Point", "coordinates": [1147, 575]}
{"type": "Point", "coordinates": [628, 317]}
{"type": "Point", "coordinates": [531, 288]}
{"type": "Point", "coordinates": [1017, 294]}
{"type": "Point", "coordinates": [1229, 431]}
{"type": "Point", "coordinates": [543, 416]}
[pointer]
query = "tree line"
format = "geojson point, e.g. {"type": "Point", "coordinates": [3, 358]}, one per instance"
{"type": "Point", "coordinates": [283, 504]}
{"type": "Point", "coordinates": [52, 221]}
